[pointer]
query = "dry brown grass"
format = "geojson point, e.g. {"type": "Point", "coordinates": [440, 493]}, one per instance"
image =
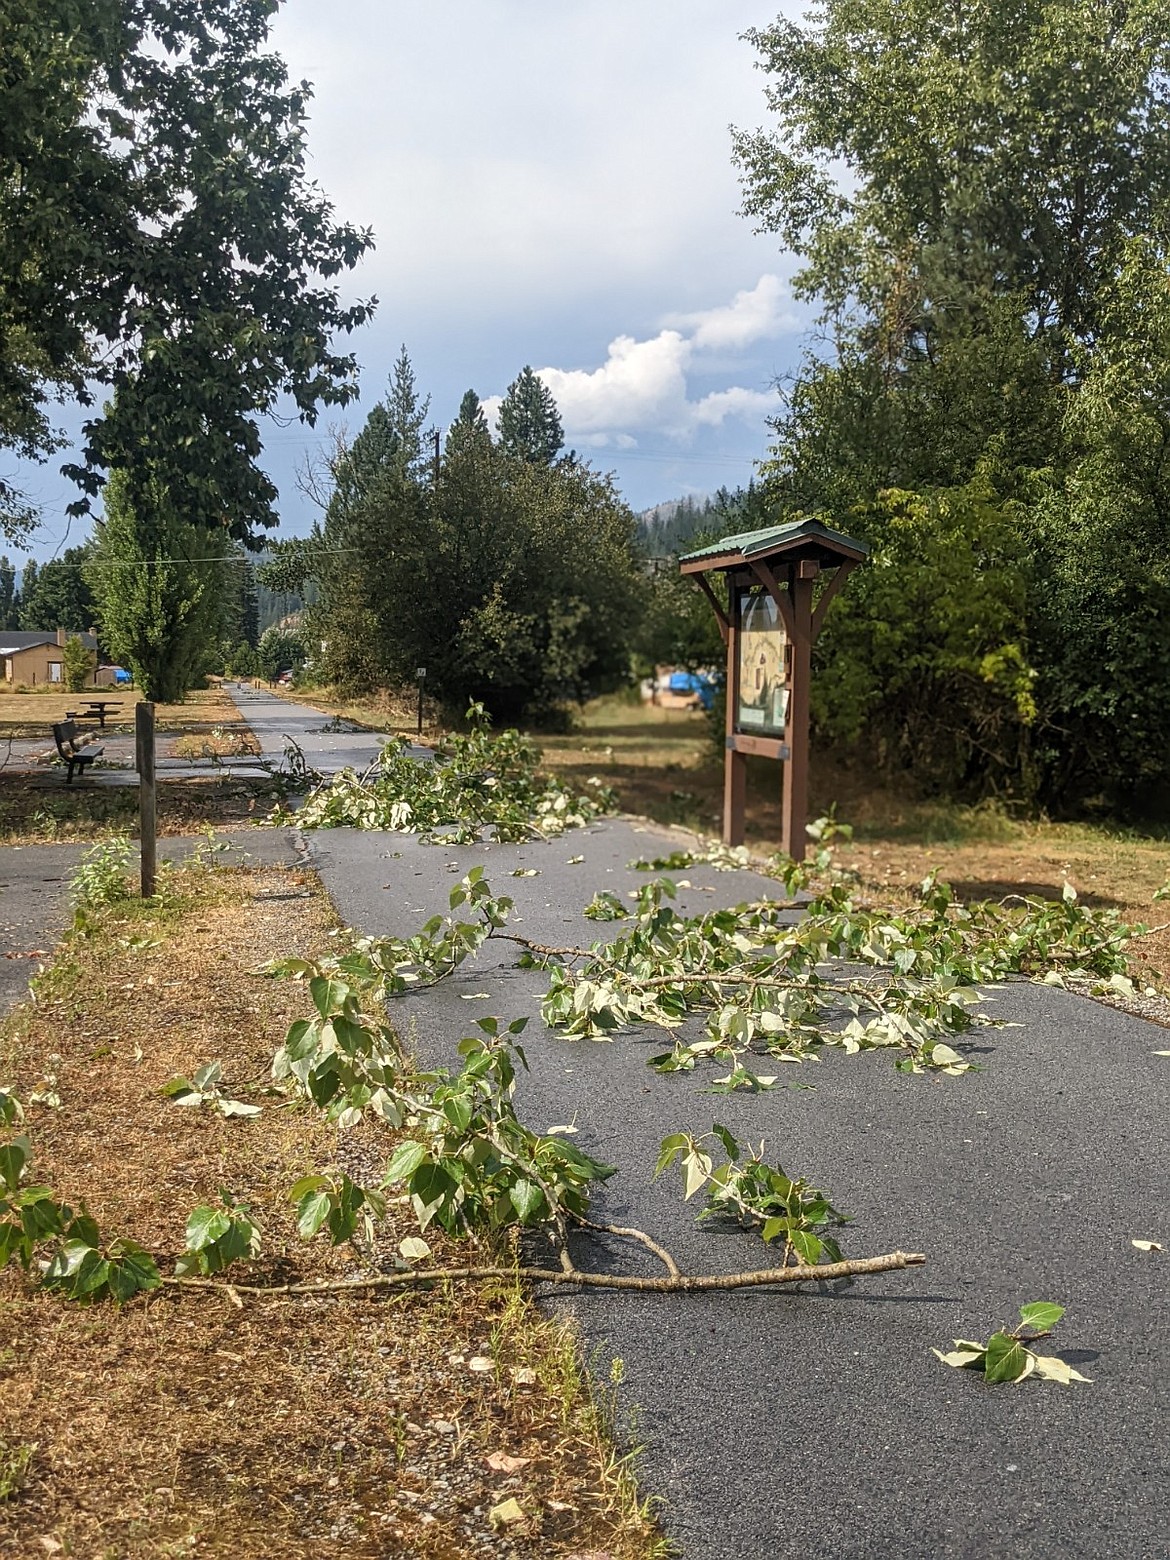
{"type": "Point", "coordinates": [320, 1428]}
{"type": "Point", "coordinates": [30, 715]}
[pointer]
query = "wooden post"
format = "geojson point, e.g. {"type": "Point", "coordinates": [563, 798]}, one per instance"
{"type": "Point", "coordinates": [147, 798]}
{"type": "Point", "coordinates": [734, 764]}
{"type": "Point", "coordinates": [794, 807]}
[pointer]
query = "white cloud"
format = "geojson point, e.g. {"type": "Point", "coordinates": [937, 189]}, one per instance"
{"type": "Point", "coordinates": [753, 315]}
{"type": "Point", "coordinates": [643, 386]}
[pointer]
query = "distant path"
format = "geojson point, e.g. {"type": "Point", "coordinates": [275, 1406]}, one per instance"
{"type": "Point", "coordinates": [275, 720]}
{"type": "Point", "coordinates": [819, 1426]}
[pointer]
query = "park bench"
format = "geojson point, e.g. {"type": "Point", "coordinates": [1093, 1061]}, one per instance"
{"type": "Point", "coordinates": [65, 736]}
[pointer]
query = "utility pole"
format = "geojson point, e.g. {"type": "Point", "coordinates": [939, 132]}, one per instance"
{"type": "Point", "coordinates": [436, 459]}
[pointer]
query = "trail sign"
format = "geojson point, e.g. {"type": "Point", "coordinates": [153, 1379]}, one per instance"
{"type": "Point", "coordinates": [779, 582]}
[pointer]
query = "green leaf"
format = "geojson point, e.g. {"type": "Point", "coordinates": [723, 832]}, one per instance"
{"type": "Point", "coordinates": [527, 1199]}
{"type": "Point", "coordinates": [671, 1147]}
{"type": "Point", "coordinates": [725, 1137]}
{"type": "Point", "coordinates": [1041, 1315]}
{"type": "Point", "coordinates": [329, 996]}
{"type": "Point", "coordinates": [404, 1161]}
{"type": "Point", "coordinates": [312, 1212]}
{"type": "Point", "coordinates": [807, 1247]}
{"type": "Point", "coordinates": [204, 1226]}
{"type": "Point", "coordinates": [1007, 1359]}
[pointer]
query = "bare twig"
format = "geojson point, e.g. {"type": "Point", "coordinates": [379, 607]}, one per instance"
{"type": "Point", "coordinates": [660, 1252]}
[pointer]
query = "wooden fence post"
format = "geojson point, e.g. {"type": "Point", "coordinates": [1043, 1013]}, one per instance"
{"type": "Point", "coordinates": [147, 796]}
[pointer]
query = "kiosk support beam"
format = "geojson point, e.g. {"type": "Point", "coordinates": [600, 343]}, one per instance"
{"type": "Point", "coordinates": [734, 764]}
{"type": "Point", "coordinates": [794, 803]}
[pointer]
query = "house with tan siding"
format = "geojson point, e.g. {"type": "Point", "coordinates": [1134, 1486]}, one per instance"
{"type": "Point", "coordinates": [35, 660]}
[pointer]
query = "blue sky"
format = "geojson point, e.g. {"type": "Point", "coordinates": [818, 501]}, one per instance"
{"type": "Point", "coordinates": [548, 183]}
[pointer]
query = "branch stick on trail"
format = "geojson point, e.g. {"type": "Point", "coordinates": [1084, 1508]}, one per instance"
{"type": "Point", "coordinates": [675, 1283]}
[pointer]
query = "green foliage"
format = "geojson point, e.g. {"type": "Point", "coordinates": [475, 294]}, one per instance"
{"type": "Point", "coordinates": [207, 1087]}
{"type": "Point", "coordinates": [511, 580]}
{"type": "Point", "coordinates": [477, 781]}
{"type": "Point", "coordinates": [338, 1205]}
{"type": "Point", "coordinates": [100, 877]}
{"type": "Point", "coordinates": [58, 594]}
{"type": "Point", "coordinates": [160, 238]}
{"type": "Point", "coordinates": [65, 1248]}
{"type": "Point", "coordinates": [280, 650]}
{"type": "Point", "coordinates": [78, 664]}
{"type": "Point", "coordinates": [788, 990]}
{"type": "Point", "coordinates": [530, 425]}
{"type": "Point", "coordinates": [217, 1237]}
{"type": "Point", "coordinates": [759, 1196]}
{"type": "Point", "coordinates": [160, 583]}
{"type": "Point", "coordinates": [468, 1163]}
{"type": "Point", "coordinates": [473, 1167]}
{"type": "Point", "coordinates": [1006, 1355]}
{"type": "Point", "coordinates": [991, 410]}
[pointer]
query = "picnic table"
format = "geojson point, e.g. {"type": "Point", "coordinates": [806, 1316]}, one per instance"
{"type": "Point", "coordinates": [97, 709]}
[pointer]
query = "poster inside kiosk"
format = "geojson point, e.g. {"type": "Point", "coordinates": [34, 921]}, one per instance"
{"type": "Point", "coordinates": [763, 666]}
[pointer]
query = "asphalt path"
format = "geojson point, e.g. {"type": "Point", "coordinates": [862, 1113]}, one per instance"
{"type": "Point", "coordinates": [819, 1423]}
{"type": "Point", "coordinates": [328, 745]}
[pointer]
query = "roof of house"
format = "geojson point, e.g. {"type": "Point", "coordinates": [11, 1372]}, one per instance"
{"type": "Point", "coordinates": [14, 641]}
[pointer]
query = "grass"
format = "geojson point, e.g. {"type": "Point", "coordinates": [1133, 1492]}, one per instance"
{"type": "Point", "coordinates": [28, 716]}
{"type": "Point", "coordinates": [327, 1427]}
{"type": "Point", "coordinates": [41, 808]}
{"type": "Point", "coordinates": [383, 711]}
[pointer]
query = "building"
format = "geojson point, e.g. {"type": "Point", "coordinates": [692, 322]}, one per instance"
{"type": "Point", "coordinates": [34, 660]}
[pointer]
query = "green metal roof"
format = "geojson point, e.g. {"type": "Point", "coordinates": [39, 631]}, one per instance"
{"type": "Point", "coordinates": [778, 538]}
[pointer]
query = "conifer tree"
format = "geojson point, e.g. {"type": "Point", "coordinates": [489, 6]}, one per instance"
{"type": "Point", "coordinates": [530, 424]}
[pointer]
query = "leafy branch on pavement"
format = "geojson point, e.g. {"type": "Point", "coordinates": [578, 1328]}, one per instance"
{"type": "Point", "coordinates": [477, 781]}
{"type": "Point", "coordinates": [1007, 1356]}
{"type": "Point", "coordinates": [759, 1196]}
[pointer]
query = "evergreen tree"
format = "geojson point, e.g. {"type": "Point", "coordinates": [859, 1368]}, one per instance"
{"type": "Point", "coordinates": [9, 595]}
{"type": "Point", "coordinates": [60, 596]}
{"type": "Point", "coordinates": [530, 425]}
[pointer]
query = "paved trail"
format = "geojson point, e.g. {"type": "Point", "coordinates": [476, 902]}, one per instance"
{"type": "Point", "coordinates": [276, 721]}
{"type": "Point", "coordinates": [818, 1424]}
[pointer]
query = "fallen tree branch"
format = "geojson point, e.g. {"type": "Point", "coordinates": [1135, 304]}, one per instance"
{"type": "Point", "coordinates": [677, 1283]}
{"type": "Point", "coordinates": [650, 1244]}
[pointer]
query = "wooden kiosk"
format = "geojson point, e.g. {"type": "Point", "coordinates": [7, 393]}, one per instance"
{"type": "Point", "coordinates": [780, 582]}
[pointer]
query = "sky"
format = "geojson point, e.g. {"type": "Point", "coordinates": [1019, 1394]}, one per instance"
{"type": "Point", "coordinates": [549, 183]}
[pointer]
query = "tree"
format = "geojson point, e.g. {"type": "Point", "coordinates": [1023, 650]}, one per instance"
{"type": "Point", "coordinates": [160, 587]}
{"type": "Point", "coordinates": [530, 424]}
{"type": "Point", "coordinates": [280, 650]}
{"type": "Point", "coordinates": [9, 595]}
{"type": "Point", "coordinates": [59, 596]}
{"type": "Point", "coordinates": [968, 189]}
{"type": "Point", "coordinates": [470, 421]}
{"type": "Point", "coordinates": [511, 581]}
{"type": "Point", "coordinates": [78, 664]}
{"type": "Point", "coordinates": [159, 237]}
